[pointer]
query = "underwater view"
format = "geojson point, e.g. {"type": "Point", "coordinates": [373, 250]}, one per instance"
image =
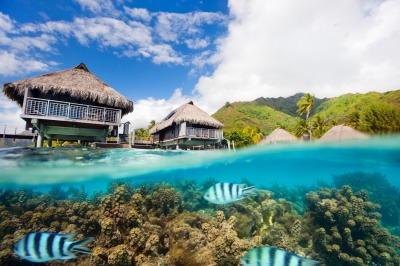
{"type": "Point", "coordinates": [294, 204]}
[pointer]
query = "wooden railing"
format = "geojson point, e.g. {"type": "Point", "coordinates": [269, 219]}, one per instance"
{"type": "Point", "coordinates": [66, 110]}
{"type": "Point", "coordinates": [204, 133]}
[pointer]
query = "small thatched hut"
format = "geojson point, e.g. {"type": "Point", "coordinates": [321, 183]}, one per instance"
{"type": "Point", "coordinates": [342, 132]}
{"type": "Point", "coordinates": [71, 104]}
{"type": "Point", "coordinates": [186, 127]}
{"type": "Point", "coordinates": [278, 136]}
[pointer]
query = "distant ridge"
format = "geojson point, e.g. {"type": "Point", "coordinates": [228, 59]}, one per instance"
{"type": "Point", "coordinates": [270, 113]}
{"type": "Point", "coordinates": [286, 105]}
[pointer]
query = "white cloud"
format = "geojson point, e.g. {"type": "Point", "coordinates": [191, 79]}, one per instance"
{"type": "Point", "coordinates": [138, 13]}
{"type": "Point", "coordinates": [111, 32]}
{"type": "Point", "coordinates": [278, 48]}
{"type": "Point", "coordinates": [12, 120]}
{"type": "Point", "coordinates": [104, 7]}
{"type": "Point", "coordinates": [131, 34]}
{"type": "Point", "coordinates": [152, 109]}
{"type": "Point", "coordinates": [172, 26]}
{"type": "Point", "coordinates": [10, 116]}
{"type": "Point", "coordinates": [6, 24]}
{"type": "Point", "coordinates": [11, 65]}
{"type": "Point", "coordinates": [197, 43]}
{"type": "Point", "coordinates": [6, 103]}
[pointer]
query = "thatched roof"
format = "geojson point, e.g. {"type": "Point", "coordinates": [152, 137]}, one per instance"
{"type": "Point", "coordinates": [278, 135]}
{"type": "Point", "coordinates": [187, 113]}
{"type": "Point", "coordinates": [342, 132]}
{"type": "Point", "coordinates": [77, 82]}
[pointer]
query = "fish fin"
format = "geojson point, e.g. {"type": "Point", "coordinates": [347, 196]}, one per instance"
{"type": "Point", "coordinates": [79, 245]}
{"type": "Point", "coordinates": [69, 256]}
{"type": "Point", "coordinates": [241, 185]}
{"type": "Point", "coordinates": [240, 198]}
{"type": "Point", "coordinates": [68, 236]}
{"type": "Point", "coordinates": [307, 262]}
{"type": "Point", "coordinates": [249, 191]}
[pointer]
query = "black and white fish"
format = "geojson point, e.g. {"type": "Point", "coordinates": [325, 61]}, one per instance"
{"type": "Point", "coordinates": [41, 247]}
{"type": "Point", "coordinates": [222, 193]}
{"type": "Point", "coordinates": [272, 256]}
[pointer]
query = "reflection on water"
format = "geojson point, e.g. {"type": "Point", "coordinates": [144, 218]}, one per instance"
{"type": "Point", "coordinates": [146, 207]}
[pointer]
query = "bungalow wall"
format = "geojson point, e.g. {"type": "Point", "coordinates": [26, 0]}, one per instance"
{"type": "Point", "coordinates": [176, 130]}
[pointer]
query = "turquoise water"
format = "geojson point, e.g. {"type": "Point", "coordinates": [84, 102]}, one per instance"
{"type": "Point", "coordinates": [289, 165]}
{"type": "Point", "coordinates": [146, 207]}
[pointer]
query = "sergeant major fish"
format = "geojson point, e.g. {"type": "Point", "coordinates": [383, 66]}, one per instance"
{"type": "Point", "coordinates": [222, 193]}
{"type": "Point", "coordinates": [41, 247]}
{"type": "Point", "coordinates": [272, 256]}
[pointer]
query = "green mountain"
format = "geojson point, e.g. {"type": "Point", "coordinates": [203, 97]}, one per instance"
{"type": "Point", "coordinates": [242, 114]}
{"type": "Point", "coordinates": [337, 108]}
{"type": "Point", "coordinates": [286, 105]}
{"type": "Point", "coordinates": [269, 113]}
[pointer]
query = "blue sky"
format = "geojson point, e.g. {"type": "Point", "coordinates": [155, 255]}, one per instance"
{"type": "Point", "coordinates": [161, 54]}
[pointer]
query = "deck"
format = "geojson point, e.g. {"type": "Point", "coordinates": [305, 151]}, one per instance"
{"type": "Point", "coordinates": [70, 121]}
{"type": "Point", "coordinates": [69, 112]}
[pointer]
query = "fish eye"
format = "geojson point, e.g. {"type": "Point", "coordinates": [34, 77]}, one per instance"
{"type": "Point", "coordinates": [247, 261]}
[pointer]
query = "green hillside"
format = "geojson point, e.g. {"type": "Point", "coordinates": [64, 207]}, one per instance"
{"type": "Point", "coordinates": [338, 108]}
{"type": "Point", "coordinates": [286, 105]}
{"type": "Point", "coordinates": [242, 114]}
{"type": "Point", "coordinates": [270, 113]}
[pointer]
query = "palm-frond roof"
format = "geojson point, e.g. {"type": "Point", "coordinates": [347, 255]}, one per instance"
{"type": "Point", "coordinates": [187, 113]}
{"type": "Point", "coordinates": [77, 82]}
{"type": "Point", "coordinates": [342, 132]}
{"type": "Point", "coordinates": [278, 135]}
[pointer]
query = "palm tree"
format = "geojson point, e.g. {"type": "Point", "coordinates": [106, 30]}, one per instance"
{"type": "Point", "coordinates": [305, 104]}
{"type": "Point", "coordinates": [319, 126]}
{"type": "Point", "coordinates": [301, 128]}
{"type": "Point", "coordinates": [151, 125]}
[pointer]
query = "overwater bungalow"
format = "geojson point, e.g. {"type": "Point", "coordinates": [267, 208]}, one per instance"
{"type": "Point", "coordinates": [278, 136]}
{"type": "Point", "coordinates": [188, 127]}
{"type": "Point", "coordinates": [72, 104]}
{"type": "Point", "coordinates": [342, 132]}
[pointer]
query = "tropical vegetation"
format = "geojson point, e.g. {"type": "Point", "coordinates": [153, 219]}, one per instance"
{"type": "Point", "coordinates": [142, 133]}
{"type": "Point", "coordinates": [373, 113]}
{"type": "Point", "coordinates": [305, 105]}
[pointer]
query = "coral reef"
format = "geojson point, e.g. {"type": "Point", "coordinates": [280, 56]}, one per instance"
{"type": "Point", "coordinates": [379, 190]}
{"type": "Point", "coordinates": [164, 224]}
{"type": "Point", "coordinates": [345, 230]}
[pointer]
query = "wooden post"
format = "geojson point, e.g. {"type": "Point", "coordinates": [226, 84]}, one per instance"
{"type": "Point", "coordinates": [25, 99]}
{"type": "Point", "coordinates": [40, 139]}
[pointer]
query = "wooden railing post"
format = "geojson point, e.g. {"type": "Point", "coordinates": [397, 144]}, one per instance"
{"type": "Point", "coordinates": [48, 108]}
{"type": "Point", "coordinates": [25, 99]}
{"type": "Point", "coordinates": [69, 110]}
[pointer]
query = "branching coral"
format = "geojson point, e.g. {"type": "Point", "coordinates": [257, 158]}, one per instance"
{"type": "Point", "coordinates": [345, 229]}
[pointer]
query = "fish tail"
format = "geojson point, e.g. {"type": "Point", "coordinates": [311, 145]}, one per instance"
{"type": "Point", "coordinates": [79, 245]}
{"type": "Point", "coordinates": [250, 191]}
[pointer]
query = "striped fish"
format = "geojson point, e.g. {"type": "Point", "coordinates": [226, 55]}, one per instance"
{"type": "Point", "coordinates": [222, 193]}
{"type": "Point", "coordinates": [272, 256]}
{"type": "Point", "coordinates": [41, 247]}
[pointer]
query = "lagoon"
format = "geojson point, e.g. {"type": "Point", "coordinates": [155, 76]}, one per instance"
{"type": "Point", "coordinates": [295, 181]}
